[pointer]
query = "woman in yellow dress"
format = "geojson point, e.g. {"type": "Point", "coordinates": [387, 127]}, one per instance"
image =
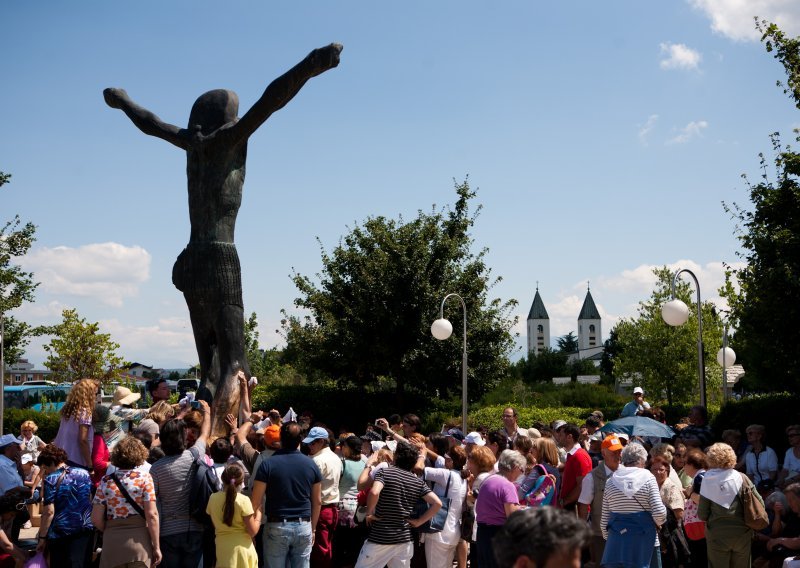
{"type": "Point", "coordinates": [235, 522]}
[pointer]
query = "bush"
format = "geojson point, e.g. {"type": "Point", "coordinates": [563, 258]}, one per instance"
{"type": "Point", "coordinates": [774, 411]}
{"type": "Point", "coordinates": [490, 416]}
{"type": "Point", "coordinates": [46, 421]}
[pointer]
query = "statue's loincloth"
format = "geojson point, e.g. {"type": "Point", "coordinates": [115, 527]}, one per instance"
{"type": "Point", "coordinates": [209, 272]}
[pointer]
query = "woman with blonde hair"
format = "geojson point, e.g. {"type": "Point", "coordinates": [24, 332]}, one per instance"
{"type": "Point", "coordinates": [235, 521]}
{"type": "Point", "coordinates": [31, 443]}
{"type": "Point", "coordinates": [124, 508]}
{"type": "Point", "coordinates": [158, 414]}
{"type": "Point", "coordinates": [728, 538]}
{"type": "Point", "coordinates": [75, 432]}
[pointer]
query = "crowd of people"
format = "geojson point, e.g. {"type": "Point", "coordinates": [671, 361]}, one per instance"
{"type": "Point", "coordinates": [126, 487]}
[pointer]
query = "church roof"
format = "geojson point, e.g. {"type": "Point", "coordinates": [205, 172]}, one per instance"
{"type": "Point", "coordinates": [538, 312]}
{"type": "Point", "coordinates": [589, 310]}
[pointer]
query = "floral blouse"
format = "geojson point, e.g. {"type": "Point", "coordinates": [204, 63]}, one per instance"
{"type": "Point", "coordinates": [139, 485]}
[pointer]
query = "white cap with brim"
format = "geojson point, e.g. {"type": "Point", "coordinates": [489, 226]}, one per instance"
{"type": "Point", "coordinates": [474, 438]}
{"type": "Point", "coordinates": [638, 390]}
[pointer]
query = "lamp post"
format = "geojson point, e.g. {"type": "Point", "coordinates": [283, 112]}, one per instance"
{"type": "Point", "coordinates": [2, 369]}
{"type": "Point", "coordinates": [676, 313]}
{"type": "Point", "coordinates": [442, 329]}
{"type": "Point", "coordinates": [725, 357]}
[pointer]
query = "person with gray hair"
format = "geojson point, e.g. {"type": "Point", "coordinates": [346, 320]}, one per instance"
{"type": "Point", "coordinates": [496, 501]}
{"type": "Point", "coordinates": [544, 537]}
{"type": "Point", "coordinates": [632, 511]}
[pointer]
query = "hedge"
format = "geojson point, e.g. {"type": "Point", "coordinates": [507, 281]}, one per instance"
{"type": "Point", "coordinates": [774, 411]}
{"type": "Point", "coordinates": [46, 421]}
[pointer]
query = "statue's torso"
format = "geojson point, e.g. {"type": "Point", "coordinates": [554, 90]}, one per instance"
{"type": "Point", "coordinates": [215, 174]}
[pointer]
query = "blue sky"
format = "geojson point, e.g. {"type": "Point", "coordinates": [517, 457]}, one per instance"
{"type": "Point", "coordinates": [602, 137]}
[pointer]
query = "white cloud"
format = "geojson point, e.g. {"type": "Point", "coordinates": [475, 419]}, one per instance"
{"type": "Point", "coordinates": [679, 56]}
{"type": "Point", "coordinates": [647, 127]}
{"type": "Point", "coordinates": [108, 272]}
{"type": "Point", "coordinates": [691, 130]}
{"type": "Point", "coordinates": [169, 339]}
{"type": "Point", "coordinates": [735, 18]}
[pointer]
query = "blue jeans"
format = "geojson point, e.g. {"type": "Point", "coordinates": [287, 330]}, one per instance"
{"type": "Point", "coordinates": [287, 544]}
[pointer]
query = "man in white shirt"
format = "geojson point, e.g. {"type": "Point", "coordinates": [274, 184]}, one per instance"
{"type": "Point", "coordinates": [330, 466]}
{"type": "Point", "coordinates": [592, 488]}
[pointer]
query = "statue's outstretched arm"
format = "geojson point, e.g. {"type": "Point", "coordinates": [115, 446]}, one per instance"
{"type": "Point", "coordinates": [145, 120]}
{"type": "Point", "coordinates": [285, 87]}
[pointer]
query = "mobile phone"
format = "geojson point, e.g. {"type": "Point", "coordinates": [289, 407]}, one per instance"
{"type": "Point", "coordinates": [196, 404]}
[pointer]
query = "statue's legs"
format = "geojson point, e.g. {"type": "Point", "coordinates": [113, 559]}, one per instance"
{"type": "Point", "coordinates": [205, 342]}
{"type": "Point", "coordinates": [229, 330]}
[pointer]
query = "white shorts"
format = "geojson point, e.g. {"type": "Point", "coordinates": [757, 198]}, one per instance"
{"type": "Point", "coordinates": [379, 555]}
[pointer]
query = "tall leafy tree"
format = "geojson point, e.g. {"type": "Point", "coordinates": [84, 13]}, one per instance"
{"type": "Point", "coordinates": [664, 358]}
{"type": "Point", "coordinates": [567, 343]}
{"type": "Point", "coordinates": [16, 285]}
{"type": "Point", "coordinates": [378, 293]}
{"type": "Point", "coordinates": [543, 367]}
{"type": "Point", "coordinates": [765, 310]}
{"type": "Point", "coordinates": [78, 350]}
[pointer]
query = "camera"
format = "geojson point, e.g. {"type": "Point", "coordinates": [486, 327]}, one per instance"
{"type": "Point", "coordinates": [196, 405]}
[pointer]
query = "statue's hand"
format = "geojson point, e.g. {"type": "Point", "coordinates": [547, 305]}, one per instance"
{"type": "Point", "coordinates": [114, 97]}
{"type": "Point", "coordinates": [327, 57]}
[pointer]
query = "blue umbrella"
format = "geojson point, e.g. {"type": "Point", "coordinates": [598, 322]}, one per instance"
{"type": "Point", "coordinates": [639, 426]}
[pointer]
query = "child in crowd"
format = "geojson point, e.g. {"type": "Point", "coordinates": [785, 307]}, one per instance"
{"type": "Point", "coordinates": [235, 522]}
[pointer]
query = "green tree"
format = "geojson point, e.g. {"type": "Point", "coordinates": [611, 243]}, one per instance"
{"type": "Point", "coordinates": [764, 310]}
{"type": "Point", "coordinates": [581, 367]}
{"type": "Point", "coordinates": [547, 364]}
{"type": "Point", "coordinates": [78, 350]}
{"type": "Point", "coordinates": [567, 343]}
{"type": "Point", "coordinates": [664, 358]}
{"type": "Point", "coordinates": [255, 355]}
{"type": "Point", "coordinates": [378, 293]}
{"type": "Point", "coordinates": [611, 352]}
{"type": "Point", "coordinates": [16, 285]}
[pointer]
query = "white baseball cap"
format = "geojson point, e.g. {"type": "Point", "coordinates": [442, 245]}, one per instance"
{"type": "Point", "coordinates": [638, 390]}
{"type": "Point", "coordinates": [474, 438]}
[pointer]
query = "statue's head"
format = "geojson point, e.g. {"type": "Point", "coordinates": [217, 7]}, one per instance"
{"type": "Point", "coordinates": [214, 109]}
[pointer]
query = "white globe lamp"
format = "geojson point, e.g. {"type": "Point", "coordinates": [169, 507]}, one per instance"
{"type": "Point", "coordinates": [729, 354]}
{"type": "Point", "coordinates": [441, 329]}
{"type": "Point", "coordinates": [675, 312]}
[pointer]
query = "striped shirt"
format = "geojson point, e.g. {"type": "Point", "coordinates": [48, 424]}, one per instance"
{"type": "Point", "coordinates": [172, 484]}
{"type": "Point", "coordinates": [400, 492]}
{"type": "Point", "coordinates": [647, 498]}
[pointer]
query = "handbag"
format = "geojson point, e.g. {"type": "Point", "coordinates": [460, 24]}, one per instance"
{"type": "Point", "coordinates": [436, 523]}
{"type": "Point", "coordinates": [674, 548]}
{"type": "Point", "coordinates": [693, 526]}
{"type": "Point", "coordinates": [755, 515]}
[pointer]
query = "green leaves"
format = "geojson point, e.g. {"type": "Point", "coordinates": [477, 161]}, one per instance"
{"type": "Point", "coordinates": [662, 358]}
{"type": "Point", "coordinates": [371, 307]}
{"type": "Point", "coordinates": [78, 350]}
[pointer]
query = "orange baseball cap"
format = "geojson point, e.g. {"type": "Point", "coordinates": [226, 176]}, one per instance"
{"type": "Point", "coordinates": [272, 436]}
{"type": "Point", "coordinates": [611, 443]}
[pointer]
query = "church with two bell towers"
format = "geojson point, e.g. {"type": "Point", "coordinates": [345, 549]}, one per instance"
{"type": "Point", "coordinates": [590, 336]}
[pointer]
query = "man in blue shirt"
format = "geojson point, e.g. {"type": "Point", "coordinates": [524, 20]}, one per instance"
{"type": "Point", "coordinates": [636, 405]}
{"type": "Point", "coordinates": [292, 483]}
{"type": "Point", "coordinates": [10, 452]}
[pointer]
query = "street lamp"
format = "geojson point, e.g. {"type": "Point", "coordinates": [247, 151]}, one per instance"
{"type": "Point", "coordinates": [442, 329]}
{"type": "Point", "coordinates": [725, 357]}
{"type": "Point", "coordinates": [2, 369]}
{"type": "Point", "coordinates": [676, 313]}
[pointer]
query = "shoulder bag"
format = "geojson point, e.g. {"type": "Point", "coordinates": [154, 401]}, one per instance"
{"type": "Point", "coordinates": [755, 515]}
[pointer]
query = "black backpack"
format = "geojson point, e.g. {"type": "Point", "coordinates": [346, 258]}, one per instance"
{"type": "Point", "coordinates": [203, 483]}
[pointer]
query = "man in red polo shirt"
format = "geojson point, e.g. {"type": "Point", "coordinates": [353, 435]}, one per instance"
{"type": "Point", "coordinates": [578, 465]}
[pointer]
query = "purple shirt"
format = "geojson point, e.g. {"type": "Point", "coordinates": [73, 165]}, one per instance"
{"type": "Point", "coordinates": [69, 435]}
{"type": "Point", "coordinates": [495, 492]}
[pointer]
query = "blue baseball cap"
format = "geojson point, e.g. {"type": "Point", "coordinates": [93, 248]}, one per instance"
{"type": "Point", "coordinates": [316, 433]}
